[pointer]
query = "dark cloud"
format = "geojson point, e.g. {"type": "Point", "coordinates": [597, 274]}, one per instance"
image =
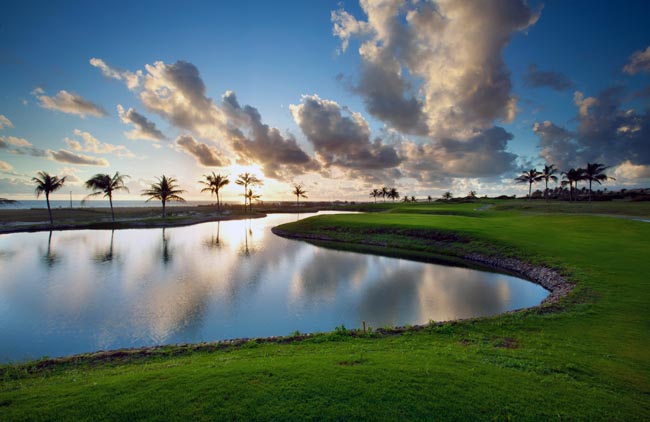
{"type": "Point", "coordinates": [606, 132]}
{"type": "Point", "coordinates": [207, 155]}
{"type": "Point", "coordinates": [341, 140]}
{"type": "Point", "coordinates": [143, 127]}
{"type": "Point", "coordinates": [538, 78]}
{"type": "Point", "coordinates": [280, 156]}
{"type": "Point", "coordinates": [71, 103]}
{"type": "Point", "coordinates": [64, 156]}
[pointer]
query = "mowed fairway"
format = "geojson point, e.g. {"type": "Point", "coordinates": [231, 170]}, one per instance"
{"type": "Point", "coordinates": [588, 358]}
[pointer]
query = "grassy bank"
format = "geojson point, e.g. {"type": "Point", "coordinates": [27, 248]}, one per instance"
{"type": "Point", "coordinates": [584, 359]}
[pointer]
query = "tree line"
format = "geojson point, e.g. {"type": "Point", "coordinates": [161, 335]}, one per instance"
{"type": "Point", "coordinates": [594, 172]}
{"type": "Point", "coordinates": [166, 189]}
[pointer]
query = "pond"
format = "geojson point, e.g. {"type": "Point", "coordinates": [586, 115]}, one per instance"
{"type": "Point", "coordinates": [68, 292]}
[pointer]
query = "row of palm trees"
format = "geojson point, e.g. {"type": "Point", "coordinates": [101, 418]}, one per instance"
{"type": "Point", "coordinates": [594, 172]}
{"type": "Point", "coordinates": [385, 192]}
{"type": "Point", "coordinates": [165, 190]}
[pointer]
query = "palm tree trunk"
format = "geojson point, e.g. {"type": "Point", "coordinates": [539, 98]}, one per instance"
{"type": "Point", "coordinates": [164, 215]}
{"type": "Point", "coordinates": [530, 187]}
{"type": "Point", "coordinates": [49, 210]}
{"type": "Point", "coordinates": [546, 191]}
{"type": "Point", "coordinates": [589, 190]}
{"type": "Point", "coordinates": [110, 201]}
{"type": "Point", "coordinates": [218, 203]}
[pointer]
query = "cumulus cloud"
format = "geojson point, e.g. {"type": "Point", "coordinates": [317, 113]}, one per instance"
{"type": "Point", "coordinates": [639, 62]}
{"type": "Point", "coordinates": [5, 122]}
{"type": "Point", "coordinates": [143, 127]}
{"type": "Point", "coordinates": [454, 48]}
{"type": "Point", "coordinates": [64, 156]}
{"type": "Point", "coordinates": [207, 155]}
{"type": "Point", "coordinates": [70, 103]}
{"type": "Point", "coordinates": [5, 167]}
{"type": "Point", "coordinates": [341, 138]}
{"type": "Point", "coordinates": [606, 132]}
{"type": "Point", "coordinates": [131, 79]}
{"type": "Point", "coordinates": [482, 155]}
{"type": "Point", "coordinates": [538, 78]}
{"type": "Point", "coordinates": [6, 142]}
{"type": "Point", "coordinates": [279, 155]}
{"type": "Point", "coordinates": [626, 171]}
{"type": "Point", "coordinates": [91, 144]}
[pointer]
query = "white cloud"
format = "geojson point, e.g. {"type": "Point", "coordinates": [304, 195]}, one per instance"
{"type": "Point", "coordinates": [4, 166]}
{"type": "Point", "coordinates": [131, 79]}
{"type": "Point", "coordinates": [15, 141]}
{"type": "Point", "coordinates": [5, 122]}
{"type": "Point", "coordinates": [92, 144]}
{"type": "Point", "coordinates": [639, 62]}
{"type": "Point", "coordinates": [143, 127]}
{"type": "Point", "coordinates": [70, 103]}
{"type": "Point", "coordinates": [206, 155]}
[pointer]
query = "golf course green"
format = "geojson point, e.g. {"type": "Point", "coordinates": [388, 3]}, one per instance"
{"type": "Point", "coordinates": [585, 357]}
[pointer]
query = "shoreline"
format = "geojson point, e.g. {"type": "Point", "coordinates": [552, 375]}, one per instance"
{"type": "Point", "coordinates": [550, 279]}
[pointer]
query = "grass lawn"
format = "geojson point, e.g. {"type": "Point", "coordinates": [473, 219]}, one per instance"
{"type": "Point", "coordinates": [590, 359]}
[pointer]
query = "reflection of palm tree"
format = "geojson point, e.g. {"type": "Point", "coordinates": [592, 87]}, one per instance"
{"type": "Point", "coordinates": [214, 242]}
{"type": "Point", "coordinates": [594, 173]}
{"type": "Point", "coordinates": [103, 183]}
{"type": "Point", "coordinates": [47, 184]}
{"type": "Point", "coordinates": [299, 192]}
{"type": "Point", "coordinates": [50, 257]}
{"type": "Point", "coordinates": [531, 176]}
{"type": "Point", "coordinates": [166, 253]}
{"type": "Point", "coordinates": [248, 232]}
{"type": "Point", "coordinates": [165, 190]}
{"type": "Point", "coordinates": [108, 255]}
{"type": "Point", "coordinates": [548, 174]}
{"type": "Point", "coordinates": [213, 183]}
{"type": "Point", "coordinates": [246, 180]}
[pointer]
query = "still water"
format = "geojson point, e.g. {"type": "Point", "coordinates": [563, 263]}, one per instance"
{"type": "Point", "coordinates": [70, 292]}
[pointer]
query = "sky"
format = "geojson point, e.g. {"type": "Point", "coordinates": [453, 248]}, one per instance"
{"type": "Point", "coordinates": [341, 97]}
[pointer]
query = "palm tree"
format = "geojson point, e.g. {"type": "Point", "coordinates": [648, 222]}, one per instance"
{"type": "Point", "coordinates": [103, 183]}
{"type": "Point", "coordinates": [299, 192]}
{"type": "Point", "coordinates": [572, 176]}
{"type": "Point", "coordinates": [247, 180]}
{"type": "Point", "coordinates": [47, 184]}
{"type": "Point", "coordinates": [413, 199]}
{"type": "Point", "coordinates": [385, 193]}
{"type": "Point", "coordinates": [594, 173]}
{"type": "Point", "coordinates": [429, 198]}
{"type": "Point", "coordinates": [393, 194]}
{"type": "Point", "coordinates": [531, 176]}
{"type": "Point", "coordinates": [166, 190]}
{"type": "Point", "coordinates": [406, 198]}
{"type": "Point", "coordinates": [213, 183]}
{"type": "Point", "coordinates": [471, 194]}
{"type": "Point", "coordinates": [375, 194]}
{"type": "Point", "coordinates": [250, 195]}
{"type": "Point", "coordinates": [447, 196]}
{"type": "Point", "coordinates": [548, 174]}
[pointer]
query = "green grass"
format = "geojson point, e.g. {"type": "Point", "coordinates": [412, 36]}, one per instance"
{"type": "Point", "coordinates": [588, 360]}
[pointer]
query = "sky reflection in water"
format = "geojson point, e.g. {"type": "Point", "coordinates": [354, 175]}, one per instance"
{"type": "Point", "coordinates": [79, 291]}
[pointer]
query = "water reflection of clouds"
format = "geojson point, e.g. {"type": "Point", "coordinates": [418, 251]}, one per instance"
{"type": "Point", "coordinates": [136, 287]}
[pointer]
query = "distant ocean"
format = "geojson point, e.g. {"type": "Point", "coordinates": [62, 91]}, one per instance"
{"type": "Point", "coordinates": [95, 203]}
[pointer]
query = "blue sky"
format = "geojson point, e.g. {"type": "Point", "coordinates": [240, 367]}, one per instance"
{"type": "Point", "coordinates": [427, 96]}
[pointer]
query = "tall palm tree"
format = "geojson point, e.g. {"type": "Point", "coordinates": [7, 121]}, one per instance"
{"type": "Point", "coordinates": [531, 176]}
{"type": "Point", "coordinates": [103, 183]}
{"type": "Point", "coordinates": [250, 195]}
{"type": "Point", "coordinates": [472, 194]}
{"type": "Point", "coordinates": [247, 180]}
{"type": "Point", "coordinates": [375, 193]}
{"type": "Point", "coordinates": [47, 184]}
{"type": "Point", "coordinates": [213, 183]}
{"type": "Point", "coordinates": [572, 176]}
{"type": "Point", "coordinates": [447, 196]}
{"type": "Point", "coordinates": [594, 173]}
{"type": "Point", "coordinates": [429, 198]}
{"type": "Point", "coordinates": [299, 192]}
{"type": "Point", "coordinates": [548, 174]}
{"type": "Point", "coordinates": [385, 193]}
{"type": "Point", "coordinates": [166, 190]}
{"type": "Point", "coordinates": [393, 194]}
